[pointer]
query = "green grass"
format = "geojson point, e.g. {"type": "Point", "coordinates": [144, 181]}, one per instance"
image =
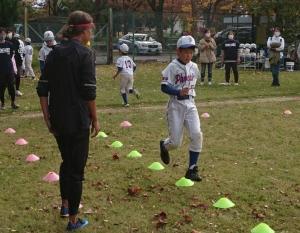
{"type": "Point", "coordinates": [147, 80]}
{"type": "Point", "coordinates": [251, 154]}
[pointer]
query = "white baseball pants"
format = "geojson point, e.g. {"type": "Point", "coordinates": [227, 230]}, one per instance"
{"type": "Point", "coordinates": [180, 114]}
{"type": "Point", "coordinates": [28, 68]}
{"type": "Point", "coordinates": [126, 83]}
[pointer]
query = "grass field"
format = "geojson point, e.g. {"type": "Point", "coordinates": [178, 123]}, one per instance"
{"type": "Point", "coordinates": [251, 155]}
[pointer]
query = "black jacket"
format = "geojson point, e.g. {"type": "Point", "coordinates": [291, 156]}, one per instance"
{"type": "Point", "coordinates": [69, 81]}
{"type": "Point", "coordinates": [6, 53]}
{"type": "Point", "coordinates": [231, 50]}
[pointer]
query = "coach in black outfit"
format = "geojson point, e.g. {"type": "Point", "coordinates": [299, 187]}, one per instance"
{"type": "Point", "coordinates": [231, 58]}
{"type": "Point", "coordinates": [6, 70]}
{"type": "Point", "coordinates": [69, 84]}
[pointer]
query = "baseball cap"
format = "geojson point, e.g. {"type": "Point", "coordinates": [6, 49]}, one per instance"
{"type": "Point", "coordinates": [28, 40]}
{"type": "Point", "coordinates": [186, 42]}
{"type": "Point", "coordinates": [17, 36]}
{"type": "Point", "coordinates": [124, 48]}
{"type": "Point", "coordinates": [48, 35]}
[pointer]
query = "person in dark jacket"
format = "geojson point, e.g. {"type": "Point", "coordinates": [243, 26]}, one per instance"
{"type": "Point", "coordinates": [6, 70]}
{"type": "Point", "coordinates": [18, 56]}
{"type": "Point", "coordinates": [231, 58]}
{"type": "Point", "coordinates": [67, 91]}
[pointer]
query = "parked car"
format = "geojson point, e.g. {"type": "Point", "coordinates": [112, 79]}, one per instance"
{"type": "Point", "coordinates": [141, 43]}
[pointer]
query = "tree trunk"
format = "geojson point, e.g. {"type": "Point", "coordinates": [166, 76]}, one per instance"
{"type": "Point", "coordinates": [194, 18]}
{"type": "Point", "coordinates": [159, 26]}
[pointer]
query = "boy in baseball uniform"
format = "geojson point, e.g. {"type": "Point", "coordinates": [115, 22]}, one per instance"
{"type": "Point", "coordinates": [28, 52]}
{"type": "Point", "coordinates": [126, 67]}
{"type": "Point", "coordinates": [179, 81]}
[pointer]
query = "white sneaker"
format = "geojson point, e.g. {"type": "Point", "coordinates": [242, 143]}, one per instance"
{"type": "Point", "coordinates": [227, 84]}
{"type": "Point", "coordinates": [18, 93]}
{"type": "Point", "coordinates": [236, 84]}
{"type": "Point", "coordinates": [126, 105]}
{"type": "Point", "coordinates": [209, 83]}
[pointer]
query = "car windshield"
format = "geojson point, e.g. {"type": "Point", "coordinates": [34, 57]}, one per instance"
{"type": "Point", "coordinates": [141, 38]}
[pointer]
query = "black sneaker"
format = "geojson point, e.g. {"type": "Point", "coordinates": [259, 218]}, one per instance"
{"type": "Point", "coordinates": [193, 175]}
{"type": "Point", "coordinates": [164, 153]}
{"type": "Point", "coordinates": [14, 106]}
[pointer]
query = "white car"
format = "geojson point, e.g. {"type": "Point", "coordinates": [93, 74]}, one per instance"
{"type": "Point", "coordinates": [141, 44]}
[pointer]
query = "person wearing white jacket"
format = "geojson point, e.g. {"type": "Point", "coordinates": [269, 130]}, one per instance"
{"type": "Point", "coordinates": [28, 52]}
{"type": "Point", "coordinates": [275, 45]}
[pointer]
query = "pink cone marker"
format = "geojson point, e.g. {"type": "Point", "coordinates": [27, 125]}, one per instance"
{"type": "Point", "coordinates": [10, 131]}
{"type": "Point", "coordinates": [205, 115]}
{"type": "Point", "coordinates": [287, 112]}
{"type": "Point", "coordinates": [32, 158]}
{"type": "Point", "coordinates": [51, 177]}
{"type": "Point", "coordinates": [125, 124]}
{"type": "Point", "coordinates": [21, 142]}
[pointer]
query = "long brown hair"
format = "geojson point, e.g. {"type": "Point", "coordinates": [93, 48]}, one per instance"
{"type": "Point", "coordinates": [78, 22]}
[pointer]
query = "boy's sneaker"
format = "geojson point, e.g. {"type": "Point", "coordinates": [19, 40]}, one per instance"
{"type": "Point", "coordinates": [209, 83]}
{"type": "Point", "coordinates": [136, 93]}
{"type": "Point", "coordinates": [236, 84]}
{"type": "Point", "coordinates": [164, 153]}
{"type": "Point", "coordinates": [81, 223]}
{"type": "Point", "coordinates": [126, 105]}
{"type": "Point", "coordinates": [193, 175]}
{"type": "Point", "coordinates": [14, 106]}
{"type": "Point", "coordinates": [18, 93]}
{"type": "Point", "coordinates": [64, 212]}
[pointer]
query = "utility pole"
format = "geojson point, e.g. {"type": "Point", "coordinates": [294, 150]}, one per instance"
{"type": "Point", "coordinates": [25, 19]}
{"type": "Point", "coordinates": [110, 37]}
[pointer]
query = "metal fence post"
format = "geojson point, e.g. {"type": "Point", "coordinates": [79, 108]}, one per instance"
{"type": "Point", "coordinates": [110, 37]}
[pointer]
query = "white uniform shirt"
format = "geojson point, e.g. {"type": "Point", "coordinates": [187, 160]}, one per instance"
{"type": "Point", "coordinates": [21, 49]}
{"type": "Point", "coordinates": [44, 52]}
{"type": "Point", "coordinates": [277, 39]}
{"type": "Point", "coordinates": [127, 65]}
{"type": "Point", "coordinates": [28, 51]}
{"type": "Point", "coordinates": [180, 76]}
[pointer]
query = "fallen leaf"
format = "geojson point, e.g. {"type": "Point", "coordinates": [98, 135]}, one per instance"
{"type": "Point", "coordinates": [162, 215]}
{"type": "Point", "coordinates": [160, 224]}
{"type": "Point", "coordinates": [199, 205]}
{"type": "Point", "coordinates": [88, 211]}
{"type": "Point", "coordinates": [258, 214]}
{"type": "Point", "coordinates": [134, 191]}
{"type": "Point", "coordinates": [115, 156]}
{"type": "Point", "coordinates": [195, 231]}
{"type": "Point", "coordinates": [109, 200]}
{"type": "Point", "coordinates": [188, 218]}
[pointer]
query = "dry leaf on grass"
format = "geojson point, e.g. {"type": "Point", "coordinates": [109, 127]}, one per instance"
{"type": "Point", "coordinates": [115, 156]}
{"type": "Point", "coordinates": [134, 191]}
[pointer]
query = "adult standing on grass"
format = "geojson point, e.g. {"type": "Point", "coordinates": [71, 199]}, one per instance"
{"type": "Point", "coordinates": [207, 46]}
{"type": "Point", "coordinates": [14, 38]}
{"type": "Point", "coordinates": [67, 91]}
{"type": "Point", "coordinates": [231, 58]}
{"type": "Point", "coordinates": [275, 45]}
{"type": "Point", "coordinates": [6, 70]}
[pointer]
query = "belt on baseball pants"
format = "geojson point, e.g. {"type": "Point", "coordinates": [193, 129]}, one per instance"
{"type": "Point", "coordinates": [185, 97]}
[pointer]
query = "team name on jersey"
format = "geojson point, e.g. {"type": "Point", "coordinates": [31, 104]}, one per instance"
{"type": "Point", "coordinates": [182, 78]}
{"type": "Point", "coordinates": [5, 50]}
{"type": "Point", "coordinates": [230, 45]}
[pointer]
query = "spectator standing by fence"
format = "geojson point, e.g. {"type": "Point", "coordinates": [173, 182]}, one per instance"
{"type": "Point", "coordinates": [207, 47]}
{"type": "Point", "coordinates": [275, 45]}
